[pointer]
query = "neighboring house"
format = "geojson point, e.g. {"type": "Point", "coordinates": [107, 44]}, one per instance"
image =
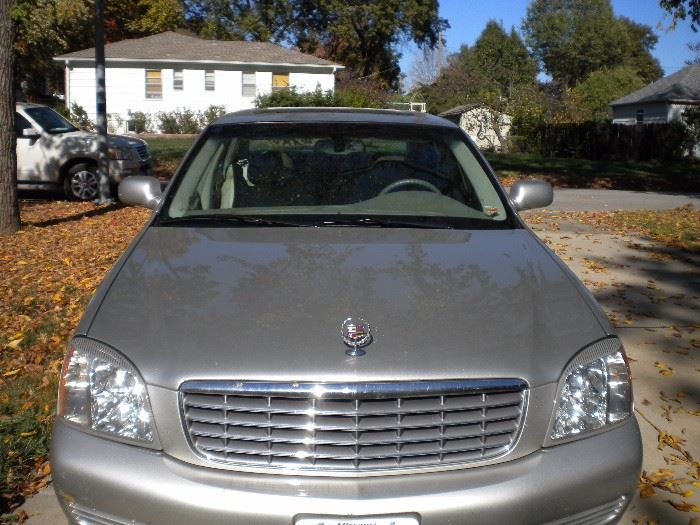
{"type": "Point", "coordinates": [170, 71]}
{"type": "Point", "coordinates": [488, 128]}
{"type": "Point", "coordinates": [661, 101]}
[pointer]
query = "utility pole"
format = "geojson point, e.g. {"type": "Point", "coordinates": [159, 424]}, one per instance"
{"type": "Point", "coordinates": [104, 192]}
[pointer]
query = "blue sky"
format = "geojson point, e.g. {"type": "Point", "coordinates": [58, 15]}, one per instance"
{"type": "Point", "coordinates": [468, 18]}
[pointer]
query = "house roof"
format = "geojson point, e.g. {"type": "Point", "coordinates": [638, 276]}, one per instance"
{"type": "Point", "coordinates": [681, 87]}
{"type": "Point", "coordinates": [177, 47]}
{"type": "Point", "coordinates": [458, 110]}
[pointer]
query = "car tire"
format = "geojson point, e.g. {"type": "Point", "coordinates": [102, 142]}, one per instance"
{"type": "Point", "coordinates": [82, 182]}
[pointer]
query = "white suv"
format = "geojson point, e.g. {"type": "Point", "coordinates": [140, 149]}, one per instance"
{"type": "Point", "coordinates": [54, 154]}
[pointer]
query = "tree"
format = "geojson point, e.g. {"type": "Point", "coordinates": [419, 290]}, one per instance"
{"type": "Point", "coordinates": [570, 39]}
{"type": "Point", "coordinates": [427, 65]}
{"type": "Point", "coordinates": [605, 85]}
{"type": "Point", "coordinates": [491, 72]}
{"type": "Point", "coordinates": [9, 208]}
{"type": "Point", "coordinates": [46, 28]}
{"type": "Point", "coordinates": [363, 36]}
{"type": "Point", "coordinates": [682, 9]}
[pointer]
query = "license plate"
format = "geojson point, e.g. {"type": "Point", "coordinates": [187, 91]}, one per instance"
{"type": "Point", "coordinates": [357, 520]}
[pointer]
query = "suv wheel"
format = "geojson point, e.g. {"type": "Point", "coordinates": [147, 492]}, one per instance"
{"type": "Point", "coordinates": [82, 182]}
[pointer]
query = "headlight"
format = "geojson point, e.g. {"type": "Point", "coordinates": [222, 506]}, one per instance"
{"type": "Point", "coordinates": [594, 391]}
{"type": "Point", "coordinates": [120, 153]}
{"type": "Point", "coordinates": [100, 390]}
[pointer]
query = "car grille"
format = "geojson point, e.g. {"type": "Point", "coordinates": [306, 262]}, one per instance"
{"type": "Point", "coordinates": [142, 150]}
{"type": "Point", "coordinates": [352, 427]}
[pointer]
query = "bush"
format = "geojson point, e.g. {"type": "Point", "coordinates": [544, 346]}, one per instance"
{"type": "Point", "coordinates": [211, 114]}
{"type": "Point", "coordinates": [114, 122]}
{"type": "Point", "coordinates": [292, 98]}
{"type": "Point", "coordinates": [187, 121]}
{"type": "Point", "coordinates": [77, 115]}
{"type": "Point", "coordinates": [139, 122]}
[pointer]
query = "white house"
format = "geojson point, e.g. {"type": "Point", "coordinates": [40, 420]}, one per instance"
{"type": "Point", "coordinates": [487, 127]}
{"type": "Point", "coordinates": [661, 101]}
{"type": "Point", "coordinates": [171, 71]}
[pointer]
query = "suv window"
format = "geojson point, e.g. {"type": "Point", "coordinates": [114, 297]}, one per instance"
{"type": "Point", "coordinates": [21, 124]}
{"type": "Point", "coordinates": [49, 120]}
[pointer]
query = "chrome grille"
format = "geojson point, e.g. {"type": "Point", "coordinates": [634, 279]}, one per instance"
{"type": "Point", "coordinates": [142, 150]}
{"type": "Point", "coordinates": [353, 427]}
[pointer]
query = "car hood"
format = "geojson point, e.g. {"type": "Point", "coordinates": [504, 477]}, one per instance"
{"type": "Point", "coordinates": [89, 138]}
{"type": "Point", "coordinates": [268, 303]}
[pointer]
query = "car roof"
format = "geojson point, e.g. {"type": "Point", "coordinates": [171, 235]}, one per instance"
{"type": "Point", "coordinates": [28, 105]}
{"type": "Point", "coordinates": [334, 116]}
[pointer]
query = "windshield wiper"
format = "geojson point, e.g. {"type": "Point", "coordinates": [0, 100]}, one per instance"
{"type": "Point", "coordinates": [250, 220]}
{"type": "Point", "coordinates": [389, 222]}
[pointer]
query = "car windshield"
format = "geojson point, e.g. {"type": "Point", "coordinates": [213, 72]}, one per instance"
{"type": "Point", "coordinates": [49, 120]}
{"type": "Point", "coordinates": [329, 175]}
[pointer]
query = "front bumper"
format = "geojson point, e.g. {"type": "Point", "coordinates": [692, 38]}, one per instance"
{"type": "Point", "coordinates": [562, 484]}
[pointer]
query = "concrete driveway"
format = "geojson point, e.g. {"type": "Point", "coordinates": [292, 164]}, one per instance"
{"type": "Point", "coordinates": [652, 295]}
{"type": "Point", "coordinates": [609, 200]}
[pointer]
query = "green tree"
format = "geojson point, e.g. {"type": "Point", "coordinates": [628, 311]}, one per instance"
{"type": "Point", "coordinates": [570, 39]}
{"type": "Point", "coordinates": [363, 36]}
{"type": "Point", "coordinates": [682, 9]}
{"type": "Point", "coordinates": [605, 85]}
{"type": "Point", "coordinates": [491, 72]}
{"type": "Point", "coordinates": [46, 28]}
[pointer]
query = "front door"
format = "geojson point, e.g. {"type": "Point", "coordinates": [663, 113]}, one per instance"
{"type": "Point", "coordinates": [30, 155]}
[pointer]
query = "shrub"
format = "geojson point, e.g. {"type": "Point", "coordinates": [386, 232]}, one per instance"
{"type": "Point", "coordinates": [292, 98]}
{"type": "Point", "coordinates": [114, 122]}
{"type": "Point", "coordinates": [187, 121]}
{"type": "Point", "coordinates": [211, 114]}
{"type": "Point", "coordinates": [167, 121]}
{"type": "Point", "coordinates": [139, 122]}
{"type": "Point", "coordinates": [78, 116]}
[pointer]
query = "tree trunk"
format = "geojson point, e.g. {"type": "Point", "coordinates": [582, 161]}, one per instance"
{"type": "Point", "coordinates": [9, 207]}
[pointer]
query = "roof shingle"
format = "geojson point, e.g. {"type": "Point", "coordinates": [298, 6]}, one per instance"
{"type": "Point", "coordinates": [680, 87]}
{"type": "Point", "coordinates": [174, 46]}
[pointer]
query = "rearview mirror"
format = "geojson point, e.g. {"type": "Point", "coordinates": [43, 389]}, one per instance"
{"type": "Point", "coordinates": [531, 193]}
{"type": "Point", "coordinates": [140, 191]}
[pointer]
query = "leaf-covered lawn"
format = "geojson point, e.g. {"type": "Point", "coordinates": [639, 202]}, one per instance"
{"type": "Point", "coordinates": [48, 272]}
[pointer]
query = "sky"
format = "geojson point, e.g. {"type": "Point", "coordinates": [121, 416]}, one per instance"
{"type": "Point", "coordinates": [468, 18]}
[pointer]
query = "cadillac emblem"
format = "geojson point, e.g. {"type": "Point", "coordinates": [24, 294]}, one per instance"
{"type": "Point", "coordinates": [356, 333]}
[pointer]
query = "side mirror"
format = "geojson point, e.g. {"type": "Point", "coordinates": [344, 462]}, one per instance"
{"type": "Point", "coordinates": [30, 133]}
{"type": "Point", "coordinates": [531, 193]}
{"type": "Point", "coordinates": [140, 191]}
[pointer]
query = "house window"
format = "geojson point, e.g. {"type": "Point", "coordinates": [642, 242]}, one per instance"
{"type": "Point", "coordinates": [154, 86]}
{"type": "Point", "coordinates": [249, 88]}
{"type": "Point", "coordinates": [640, 116]}
{"type": "Point", "coordinates": [178, 80]}
{"type": "Point", "coordinates": [209, 80]}
{"type": "Point", "coordinates": [280, 81]}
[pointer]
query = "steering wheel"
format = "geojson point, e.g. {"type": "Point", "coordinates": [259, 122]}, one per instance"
{"type": "Point", "coordinates": [409, 182]}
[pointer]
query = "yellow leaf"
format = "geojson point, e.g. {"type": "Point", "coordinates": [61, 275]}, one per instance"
{"type": "Point", "coordinates": [12, 372]}
{"type": "Point", "coordinates": [14, 344]}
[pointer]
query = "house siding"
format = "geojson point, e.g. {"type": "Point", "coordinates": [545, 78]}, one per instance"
{"type": "Point", "coordinates": [656, 113]}
{"type": "Point", "coordinates": [126, 88]}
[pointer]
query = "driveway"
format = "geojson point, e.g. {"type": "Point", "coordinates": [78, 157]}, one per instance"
{"type": "Point", "coordinates": [609, 200]}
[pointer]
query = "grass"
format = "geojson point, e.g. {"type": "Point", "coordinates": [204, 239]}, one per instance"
{"type": "Point", "coordinates": [682, 175]}
{"type": "Point", "coordinates": [167, 154]}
